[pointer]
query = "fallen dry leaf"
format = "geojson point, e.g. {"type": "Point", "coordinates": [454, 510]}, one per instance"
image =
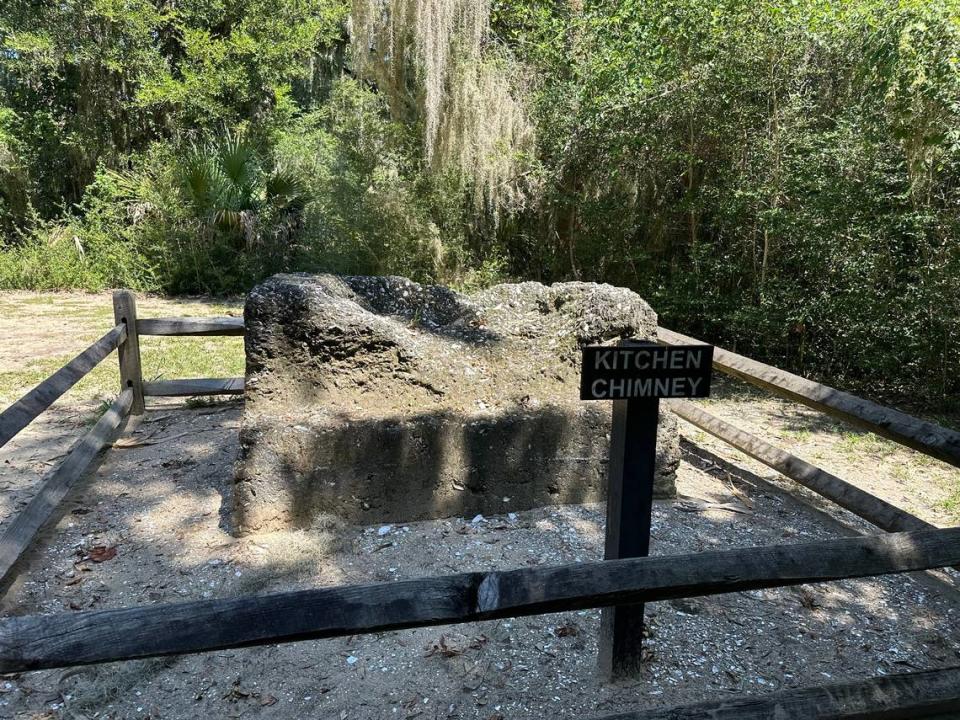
{"type": "Point", "coordinates": [570, 630]}
{"type": "Point", "coordinates": [236, 692]}
{"type": "Point", "coordinates": [102, 553]}
{"type": "Point", "coordinates": [474, 679]}
{"type": "Point", "coordinates": [808, 600]}
{"type": "Point", "coordinates": [455, 645]}
{"type": "Point", "coordinates": [441, 648]}
{"type": "Point", "coordinates": [412, 702]}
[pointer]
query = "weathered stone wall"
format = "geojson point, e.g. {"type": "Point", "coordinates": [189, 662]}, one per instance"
{"type": "Point", "coordinates": [380, 400]}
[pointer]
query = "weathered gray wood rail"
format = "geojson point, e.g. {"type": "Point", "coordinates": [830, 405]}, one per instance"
{"type": "Point", "coordinates": [194, 387]}
{"type": "Point", "coordinates": [926, 437]}
{"type": "Point", "coordinates": [35, 642]}
{"type": "Point", "coordinates": [57, 483]}
{"type": "Point", "coordinates": [927, 694]}
{"type": "Point", "coordinates": [25, 410]}
{"type": "Point", "coordinates": [861, 503]}
{"type": "Point", "coordinates": [190, 326]}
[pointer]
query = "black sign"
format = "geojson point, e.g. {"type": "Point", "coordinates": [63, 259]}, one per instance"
{"type": "Point", "coordinates": [637, 374]}
{"type": "Point", "coordinates": [645, 370]}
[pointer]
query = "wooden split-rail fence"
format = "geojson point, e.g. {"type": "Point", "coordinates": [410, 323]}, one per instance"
{"type": "Point", "coordinates": [910, 544]}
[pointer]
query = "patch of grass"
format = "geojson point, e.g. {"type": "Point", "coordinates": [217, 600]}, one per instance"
{"type": "Point", "coordinates": [40, 300]}
{"type": "Point", "coordinates": [922, 460]}
{"type": "Point", "coordinates": [99, 411]}
{"type": "Point", "coordinates": [800, 436]}
{"type": "Point", "coordinates": [198, 401]}
{"type": "Point", "coordinates": [902, 472]}
{"type": "Point", "coordinates": [161, 358]}
{"type": "Point", "coordinates": [14, 382]}
{"type": "Point", "coordinates": [952, 504]}
{"type": "Point", "coordinates": [101, 380]}
{"type": "Point", "coordinates": [857, 444]}
{"type": "Point", "coordinates": [168, 358]}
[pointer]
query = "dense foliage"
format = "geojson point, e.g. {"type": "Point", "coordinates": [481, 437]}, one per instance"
{"type": "Point", "coordinates": [777, 177]}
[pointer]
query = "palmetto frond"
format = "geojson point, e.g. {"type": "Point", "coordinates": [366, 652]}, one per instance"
{"type": "Point", "coordinates": [285, 191]}
{"type": "Point", "coordinates": [203, 182]}
{"type": "Point", "coordinates": [236, 157]}
{"type": "Point", "coordinates": [225, 184]}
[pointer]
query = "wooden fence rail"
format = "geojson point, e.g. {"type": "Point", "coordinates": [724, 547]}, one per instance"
{"type": "Point", "coordinates": [25, 410]}
{"type": "Point", "coordinates": [859, 502]}
{"type": "Point", "coordinates": [54, 487]}
{"type": "Point", "coordinates": [194, 387]}
{"type": "Point", "coordinates": [35, 642]}
{"type": "Point", "coordinates": [928, 694]}
{"type": "Point", "coordinates": [191, 326]}
{"type": "Point", "coordinates": [926, 437]}
{"type": "Point", "coordinates": [124, 338]}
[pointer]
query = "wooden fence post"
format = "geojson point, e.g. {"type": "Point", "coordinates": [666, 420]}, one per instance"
{"type": "Point", "coordinates": [631, 471]}
{"type": "Point", "coordinates": [131, 375]}
{"type": "Point", "coordinates": [635, 375]}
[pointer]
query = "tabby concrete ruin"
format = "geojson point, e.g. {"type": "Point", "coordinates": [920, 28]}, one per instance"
{"type": "Point", "coordinates": [376, 399]}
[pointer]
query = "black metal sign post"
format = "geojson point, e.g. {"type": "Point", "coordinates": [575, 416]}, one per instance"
{"type": "Point", "coordinates": [635, 375]}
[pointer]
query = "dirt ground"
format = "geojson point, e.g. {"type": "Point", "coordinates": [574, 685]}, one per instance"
{"type": "Point", "coordinates": [159, 500]}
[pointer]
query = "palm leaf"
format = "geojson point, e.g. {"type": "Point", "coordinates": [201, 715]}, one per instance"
{"type": "Point", "coordinates": [286, 191]}
{"type": "Point", "coordinates": [202, 180]}
{"type": "Point", "coordinates": [237, 159]}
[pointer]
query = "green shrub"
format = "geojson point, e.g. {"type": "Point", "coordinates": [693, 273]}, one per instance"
{"type": "Point", "coordinates": [341, 190]}
{"type": "Point", "coordinates": [60, 258]}
{"type": "Point", "coordinates": [374, 209]}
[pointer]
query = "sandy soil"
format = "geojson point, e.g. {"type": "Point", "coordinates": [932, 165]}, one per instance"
{"type": "Point", "coordinates": [160, 501]}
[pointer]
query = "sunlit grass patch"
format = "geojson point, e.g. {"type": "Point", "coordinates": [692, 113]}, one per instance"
{"type": "Point", "coordinates": [800, 436]}
{"type": "Point", "coordinates": [859, 444]}
{"type": "Point", "coordinates": [952, 503]}
{"type": "Point", "coordinates": [101, 381]}
{"type": "Point", "coordinates": [161, 358]}
{"type": "Point", "coordinates": [167, 358]}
